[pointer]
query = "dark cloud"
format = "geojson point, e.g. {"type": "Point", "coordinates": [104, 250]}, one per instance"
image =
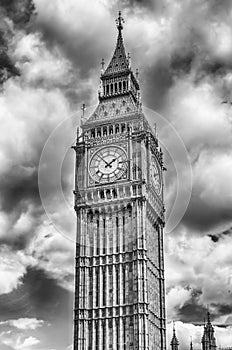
{"type": "Point", "coordinates": [202, 216]}
{"type": "Point", "coordinates": [17, 189]}
{"type": "Point", "coordinates": [159, 79]}
{"type": "Point", "coordinates": [19, 12]}
{"type": "Point", "coordinates": [192, 312]}
{"type": "Point", "coordinates": [40, 297]}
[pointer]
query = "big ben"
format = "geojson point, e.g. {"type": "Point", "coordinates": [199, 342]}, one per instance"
{"type": "Point", "coordinates": [119, 285]}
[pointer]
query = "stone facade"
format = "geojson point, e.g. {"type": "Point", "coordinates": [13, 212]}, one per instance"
{"type": "Point", "coordinates": [119, 288]}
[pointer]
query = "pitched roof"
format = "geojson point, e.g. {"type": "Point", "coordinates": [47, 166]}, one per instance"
{"type": "Point", "coordinates": [119, 61]}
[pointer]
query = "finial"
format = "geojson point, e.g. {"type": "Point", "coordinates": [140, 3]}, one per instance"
{"type": "Point", "coordinates": [102, 64]}
{"type": "Point", "coordinates": [155, 129]}
{"type": "Point", "coordinates": [191, 343]}
{"type": "Point", "coordinates": [119, 21]}
{"type": "Point", "coordinates": [129, 59]}
{"type": "Point", "coordinates": [208, 314]}
{"type": "Point", "coordinates": [83, 108]}
{"type": "Point", "coordinates": [137, 73]}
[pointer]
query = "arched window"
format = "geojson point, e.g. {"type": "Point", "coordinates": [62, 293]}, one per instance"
{"type": "Point", "coordinates": [111, 130]}
{"type": "Point", "coordinates": [111, 88]}
{"type": "Point", "coordinates": [123, 127]}
{"type": "Point", "coordinates": [116, 87]}
{"type": "Point", "coordinates": [99, 132]}
{"type": "Point", "coordinates": [93, 133]}
{"type": "Point", "coordinates": [108, 194]}
{"type": "Point", "coordinates": [107, 89]}
{"type": "Point", "coordinates": [124, 85]}
{"type": "Point", "coordinates": [116, 129]}
{"type": "Point", "coordinates": [120, 86]}
{"type": "Point", "coordinates": [104, 131]}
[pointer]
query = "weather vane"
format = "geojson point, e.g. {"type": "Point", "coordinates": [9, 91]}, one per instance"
{"type": "Point", "coordinates": [119, 21]}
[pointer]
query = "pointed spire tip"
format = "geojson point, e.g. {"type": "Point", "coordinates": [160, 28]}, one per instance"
{"type": "Point", "coordinates": [119, 22]}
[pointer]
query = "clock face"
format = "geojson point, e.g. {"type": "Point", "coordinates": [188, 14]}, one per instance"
{"type": "Point", "coordinates": [155, 176]}
{"type": "Point", "coordinates": [108, 164]}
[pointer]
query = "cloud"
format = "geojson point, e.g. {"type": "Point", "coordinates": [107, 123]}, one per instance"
{"type": "Point", "coordinates": [23, 323]}
{"type": "Point", "coordinates": [175, 299]}
{"type": "Point", "coordinates": [20, 343]}
{"type": "Point", "coordinates": [12, 269]}
{"type": "Point", "coordinates": [189, 263]}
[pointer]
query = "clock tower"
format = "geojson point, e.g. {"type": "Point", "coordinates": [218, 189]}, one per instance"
{"type": "Point", "coordinates": [119, 285]}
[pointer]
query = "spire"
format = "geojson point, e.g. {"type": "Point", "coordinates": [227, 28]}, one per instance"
{"type": "Point", "coordinates": [191, 344]}
{"type": "Point", "coordinates": [119, 61]}
{"type": "Point", "coordinates": [119, 92]}
{"type": "Point", "coordinates": [208, 339]}
{"type": "Point", "coordinates": [174, 341]}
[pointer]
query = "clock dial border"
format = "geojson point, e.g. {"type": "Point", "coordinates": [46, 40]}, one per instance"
{"type": "Point", "coordinates": [109, 163]}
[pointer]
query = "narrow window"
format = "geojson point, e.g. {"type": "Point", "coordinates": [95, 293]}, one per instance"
{"type": "Point", "coordinates": [124, 335]}
{"type": "Point", "coordinates": [90, 335]}
{"type": "Point", "coordinates": [114, 192]}
{"type": "Point", "coordinates": [120, 86]}
{"type": "Point", "coordinates": [117, 336]}
{"type": "Point", "coordinates": [97, 336]}
{"type": "Point", "coordinates": [104, 236]}
{"type": "Point", "coordinates": [104, 131]}
{"type": "Point", "coordinates": [97, 287]}
{"type": "Point", "coordinates": [111, 130]}
{"type": "Point", "coordinates": [124, 283]}
{"type": "Point", "coordinates": [98, 237]}
{"type": "Point", "coordinates": [116, 87]}
{"type": "Point", "coordinates": [104, 336]}
{"type": "Point", "coordinates": [117, 286]}
{"type": "Point", "coordinates": [117, 235]}
{"type": "Point", "coordinates": [104, 288]}
{"type": "Point", "coordinates": [123, 233]}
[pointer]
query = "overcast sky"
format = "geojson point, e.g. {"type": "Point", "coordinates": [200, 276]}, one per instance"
{"type": "Point", "coordinates": [51, 51]}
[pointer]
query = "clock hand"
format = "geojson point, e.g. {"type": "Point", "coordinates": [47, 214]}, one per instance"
{"type": "Point", "coordinates": [103, 160]}
{"type": "Point", "coordinates": [113, 160]}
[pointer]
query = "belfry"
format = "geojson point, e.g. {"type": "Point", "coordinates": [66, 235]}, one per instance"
{"type": "Point", "coordinates": [119, 288]}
